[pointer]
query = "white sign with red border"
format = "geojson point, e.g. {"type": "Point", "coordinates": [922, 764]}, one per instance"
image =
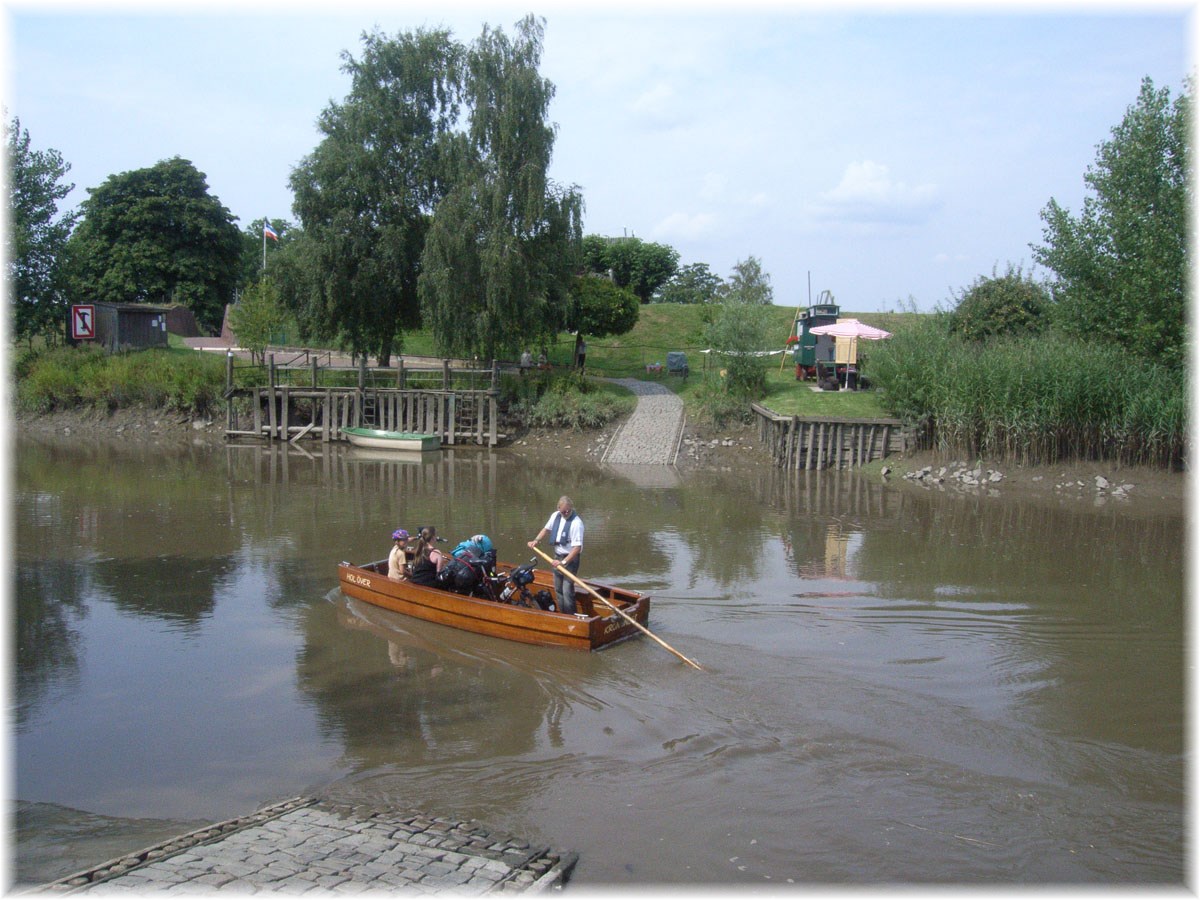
{"type": "Point", "coordinates": [83, 322]}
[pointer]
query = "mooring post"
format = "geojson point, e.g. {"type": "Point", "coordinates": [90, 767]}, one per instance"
{"type": "Point", "coordinates": [362, 371]}
{"type": "Point", "coordinates": [313, 362]}
{"type": "Point", "coordinates": [445, 374]}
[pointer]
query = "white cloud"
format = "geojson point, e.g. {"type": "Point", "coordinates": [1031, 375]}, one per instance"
{"type": "Point", "coordinates": [868, 196]}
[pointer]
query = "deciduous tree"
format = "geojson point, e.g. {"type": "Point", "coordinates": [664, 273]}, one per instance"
{"type": "Point", "coordinates": [503, 245]}
{"type": "Point", "coordinates": [694, 283]}
{"type": "Point", "coordinates": [632, 263]}
{"type": "Point", "coordinates": [749, 284]}
{"type": "Point", "coordinates": [1122, 263]}
{"type": "Point", "coordinates": [157, 235]}
{"type": "Point", "coordinates": [37, 234]}
{"type": "Point", "coordinates": [366, 193]}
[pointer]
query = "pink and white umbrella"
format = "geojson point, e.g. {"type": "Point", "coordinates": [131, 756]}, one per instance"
{"type": "Point", "coordinates": [852, 328]}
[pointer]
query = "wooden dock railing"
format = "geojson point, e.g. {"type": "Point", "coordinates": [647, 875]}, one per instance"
{"type": "Point", "coordinates": [457, 403]}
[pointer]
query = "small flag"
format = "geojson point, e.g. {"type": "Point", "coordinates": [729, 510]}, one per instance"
{"type": "Point", "coordinates": [269, 232]}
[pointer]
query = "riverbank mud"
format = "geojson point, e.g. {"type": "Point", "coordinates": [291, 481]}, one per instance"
{"type": "Point", "coordinates": [701, 447]}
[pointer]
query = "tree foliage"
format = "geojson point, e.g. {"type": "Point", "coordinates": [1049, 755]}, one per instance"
{"type": "Point", "coordinates": [364, 196]}
{"type": "Point", "coordinates": [1122, 263]}
{"type": "Point", "coordinates": [257, 315]}
{"type": "Point", "coordinates": [256, 245]}
{"type": "Point", "coordinates": [694, 283]}
{"type": "Point", "coordinates": [503, 244]}
{"type": "Point", "coordinates": [1008, 304]}
{"type": "Point", "coordinates": [739, 329]}
{"type": "Point", "coordinates": [37, 234]}
{"type": "Point", "coordinates": [156, 235]}
{"type": "Point", "coordinates": [749, 284]}
{"type": "Point", "coordinates": [602, 308]}
{"type": "Point", "coordinates": [632, 263]}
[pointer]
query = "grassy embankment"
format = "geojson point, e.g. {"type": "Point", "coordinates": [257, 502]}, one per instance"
{"type": "Point", "coordinates": [1033, 400]}
{"type": "Point", "coordinates": [193, 382]}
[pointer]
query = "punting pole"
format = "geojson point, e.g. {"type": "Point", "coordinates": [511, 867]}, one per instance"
{"type": "Point", "coordinates": [587, 587]}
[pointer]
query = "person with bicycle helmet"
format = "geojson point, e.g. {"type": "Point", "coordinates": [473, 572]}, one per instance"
{"type": "Point", "coordinates": [398, 558]}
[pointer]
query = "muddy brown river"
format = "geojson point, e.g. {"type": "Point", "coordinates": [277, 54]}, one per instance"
{"type": "Point", "coordinates": [899, 685]}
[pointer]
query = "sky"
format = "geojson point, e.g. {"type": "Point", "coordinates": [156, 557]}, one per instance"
{"type": "Point", "coordinates": [889, 154]}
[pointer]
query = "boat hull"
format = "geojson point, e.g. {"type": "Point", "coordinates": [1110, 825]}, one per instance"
{"type": "Point", "coordinates": [593, 629]}
{"type": "Point", "coordinates": [391, 440]}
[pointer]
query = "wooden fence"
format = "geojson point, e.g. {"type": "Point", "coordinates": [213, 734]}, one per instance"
{"type": "Point", "coordinates": [797, 442]}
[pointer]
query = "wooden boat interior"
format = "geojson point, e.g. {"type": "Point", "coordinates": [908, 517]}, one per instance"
{"type": "Point", "coordinates": [622, 598]}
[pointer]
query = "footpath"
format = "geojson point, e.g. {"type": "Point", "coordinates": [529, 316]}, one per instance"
{"type": "Point", "coordinates": [652, 433]}
{"type": "Point", "coordinates": [308, 844]}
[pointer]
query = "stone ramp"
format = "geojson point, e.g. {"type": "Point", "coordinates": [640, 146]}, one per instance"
{"type": "Point", "coordinates": [650, 437]}
{"type": "Point", "coordinates": [309, 844]}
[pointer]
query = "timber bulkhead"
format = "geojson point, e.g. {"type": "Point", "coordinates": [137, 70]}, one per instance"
{"type": "Point", "coordinates": [803, 442]}
{"type": "Point", "coordinates": [457, 403]}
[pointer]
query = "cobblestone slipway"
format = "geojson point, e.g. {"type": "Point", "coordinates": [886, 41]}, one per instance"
{"type": "Point", "coordinates": [306, 845]}
{"type": "Point", "coordinates": [652, 433]}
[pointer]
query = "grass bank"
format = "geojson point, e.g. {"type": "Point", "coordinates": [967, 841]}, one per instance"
{"type": "Point", "coordinates": [193, 382]}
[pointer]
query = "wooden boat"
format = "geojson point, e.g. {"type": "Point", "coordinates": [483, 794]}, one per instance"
{"type": "Point", "coordinates": [593, 627]}
{"type": "Point", "coordinates": [391, 440]}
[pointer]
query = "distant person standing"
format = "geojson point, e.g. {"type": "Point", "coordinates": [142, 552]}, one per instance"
{"type": "Point", "coordinates": [581, 354]}
{"type": "Point", "coordinates": [526, 362]}
{"type": "Point", "coordinates": [565, 529]}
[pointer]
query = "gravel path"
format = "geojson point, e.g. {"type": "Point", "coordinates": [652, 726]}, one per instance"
{"type": "Point", "coordinates": [651, 435]}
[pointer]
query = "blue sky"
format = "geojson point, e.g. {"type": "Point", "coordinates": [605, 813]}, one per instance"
{"type": "Point", "coordinates": [891, 152]}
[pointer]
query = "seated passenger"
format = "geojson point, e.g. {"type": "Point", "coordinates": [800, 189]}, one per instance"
{"type": "Point", "coordinates": [424, 569]}
{"type": "Point", "coordinates": [398, 559]}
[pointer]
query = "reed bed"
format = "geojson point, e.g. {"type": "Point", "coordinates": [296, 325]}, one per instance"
{"type": "Point", "coordinates": [1033, 400]}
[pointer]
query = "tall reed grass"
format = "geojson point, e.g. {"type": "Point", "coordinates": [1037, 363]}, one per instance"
{"type": "Point", "coordinates": [1032, 400]}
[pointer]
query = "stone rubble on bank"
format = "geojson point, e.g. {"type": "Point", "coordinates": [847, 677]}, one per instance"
{"type": "Point", "coordinates": [963, 476]}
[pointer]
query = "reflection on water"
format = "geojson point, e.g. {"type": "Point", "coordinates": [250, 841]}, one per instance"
{"type": "Point", "coordinates": [899, 686]}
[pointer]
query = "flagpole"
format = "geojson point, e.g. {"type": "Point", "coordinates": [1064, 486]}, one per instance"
{"type": "Point", "coordinates": [264, 250]}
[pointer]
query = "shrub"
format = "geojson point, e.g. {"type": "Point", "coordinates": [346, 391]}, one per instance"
{"type": "Point", "coordinates": [1008, 304]}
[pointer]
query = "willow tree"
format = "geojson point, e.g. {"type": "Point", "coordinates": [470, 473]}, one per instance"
{"type": "Point", "coordinates": [365, 195]}
{"type": "Point", "coordinates": [503, 244]}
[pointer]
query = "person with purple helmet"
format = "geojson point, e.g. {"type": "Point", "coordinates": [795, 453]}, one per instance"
{"type": "Point", "coordinates": [398, 558]}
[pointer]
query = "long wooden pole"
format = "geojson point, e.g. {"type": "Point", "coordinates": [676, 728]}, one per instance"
{"type": "Point", "coordinates": [587, 587]}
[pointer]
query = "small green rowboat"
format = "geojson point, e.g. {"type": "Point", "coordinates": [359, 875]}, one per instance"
{"type": "Point", "coordinates": [391, 440]}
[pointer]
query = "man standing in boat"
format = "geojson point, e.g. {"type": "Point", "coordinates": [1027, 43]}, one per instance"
{"type": "Point", "coordinates": [566, 536]}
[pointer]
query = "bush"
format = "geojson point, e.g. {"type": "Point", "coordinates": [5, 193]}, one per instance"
{"type": "Point", "coordinates": [1008, 304]}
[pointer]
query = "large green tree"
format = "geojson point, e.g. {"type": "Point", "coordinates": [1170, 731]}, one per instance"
{"type": "Point", "coordinates": [157, 235]}
{"type": "Point", "coordinates": [632, 263]}
{"type": "Point", "coordinates": [365, 195]}
{"type": "Point", "coordinates": [503, 245]}
{"type": "Point", "coordinates": [37, 234]}
{"type": "Point", "coordinates": [1122, 263]}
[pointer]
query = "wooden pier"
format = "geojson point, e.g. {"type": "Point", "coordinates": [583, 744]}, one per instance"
{"type": "Point", "coordinates": [801, 442]}
{"type": "Point", "coordinates": [453, 401]}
